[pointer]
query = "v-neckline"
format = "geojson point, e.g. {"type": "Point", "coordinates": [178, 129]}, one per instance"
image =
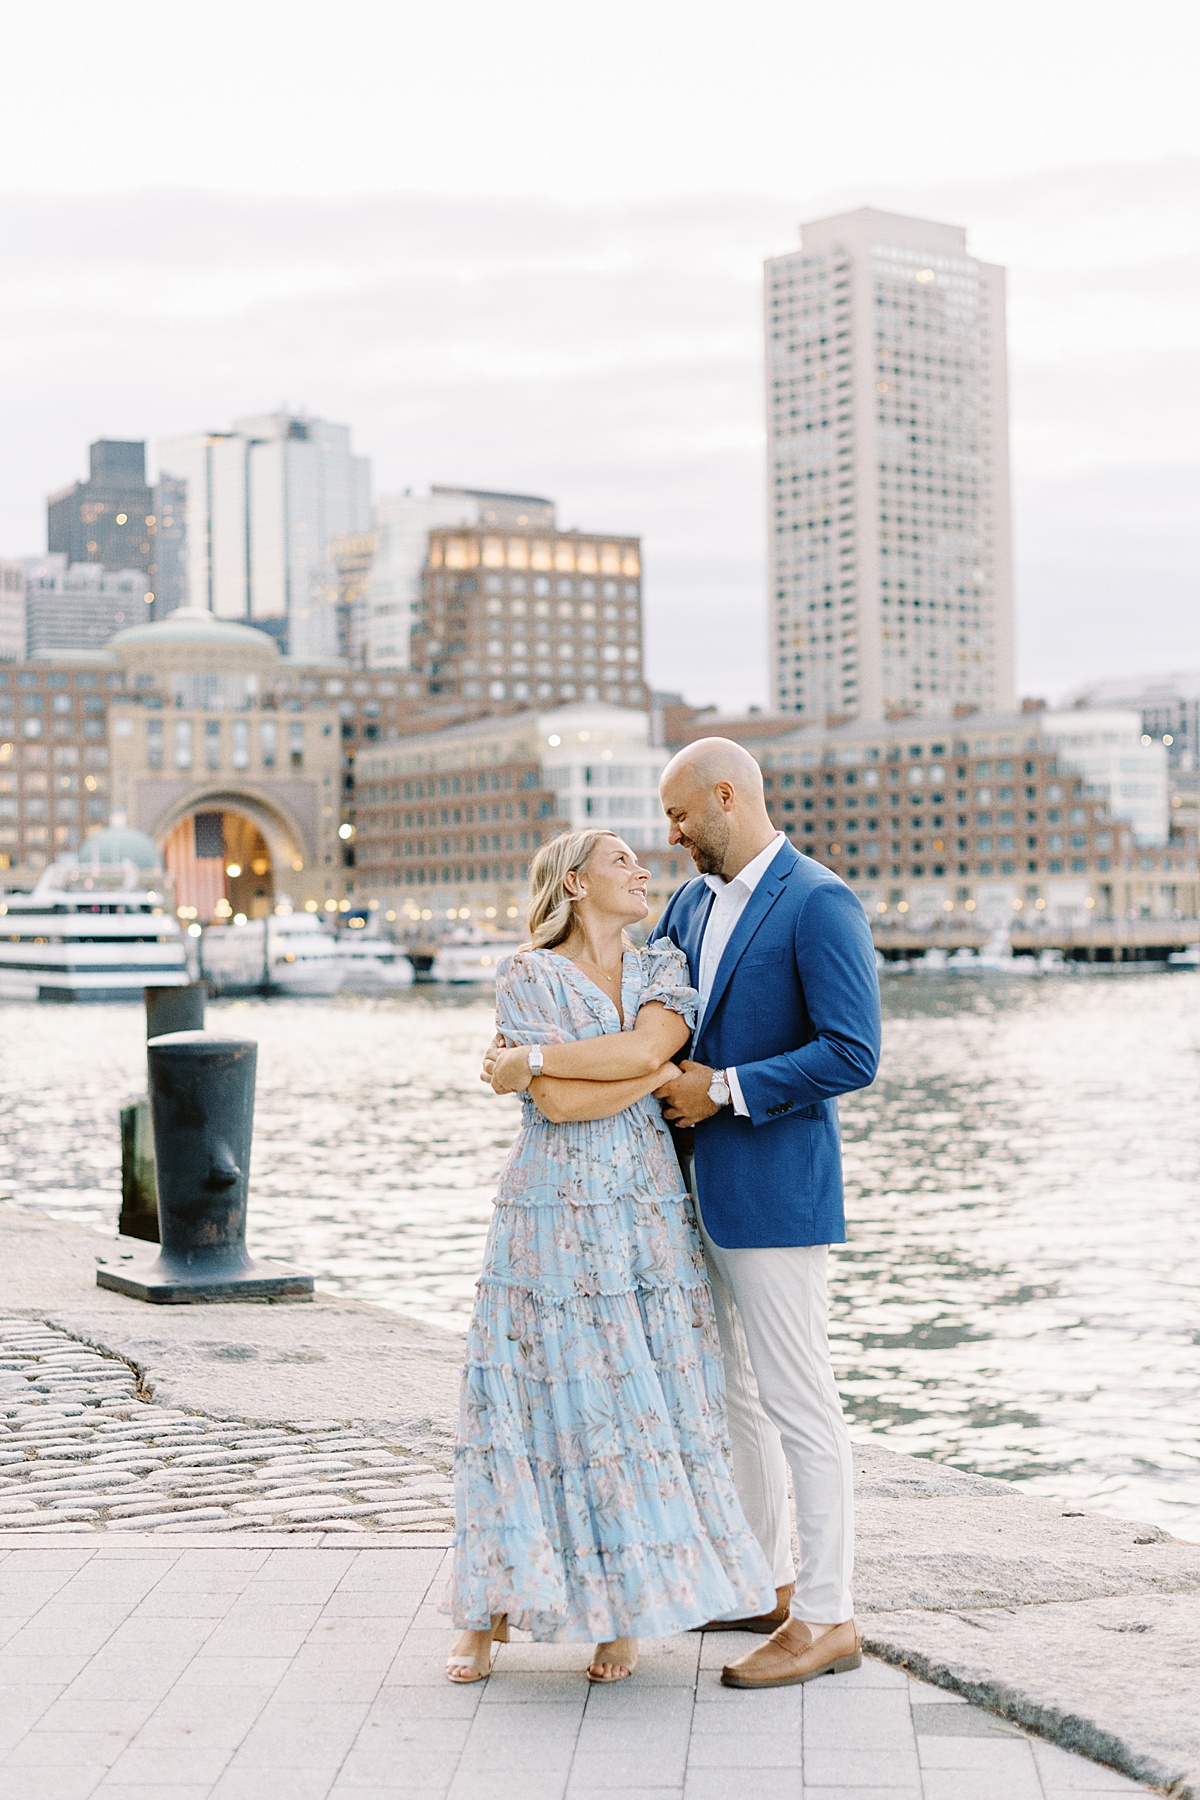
{"type": "Point", "coordinates": [620, 1009]}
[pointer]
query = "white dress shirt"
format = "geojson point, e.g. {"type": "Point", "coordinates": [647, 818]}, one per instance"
{"type": "Point", "coordinates": [729, 903]}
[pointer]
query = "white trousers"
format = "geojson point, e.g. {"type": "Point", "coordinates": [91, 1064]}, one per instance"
{"type": "Point", "coordinates": [773, 1317]}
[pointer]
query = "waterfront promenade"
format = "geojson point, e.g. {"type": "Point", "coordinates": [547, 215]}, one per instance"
{"type": "Point", "coordinates": [223, 1534]}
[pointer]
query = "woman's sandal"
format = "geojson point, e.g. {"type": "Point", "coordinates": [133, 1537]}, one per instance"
{"type": "Point", "coordinates": [462, 1670]}
{"type": "Point", "coordinates": [603, 1671]}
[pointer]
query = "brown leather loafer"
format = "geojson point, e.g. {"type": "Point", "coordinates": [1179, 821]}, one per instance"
{"type": "Point", "coordinates": [789, 1656]}
{"type": "Point", "coordinates": [764, 1623]}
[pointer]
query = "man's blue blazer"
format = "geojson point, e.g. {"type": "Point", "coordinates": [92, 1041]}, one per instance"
{"type": "Point", "coordinates": [795, 1007]}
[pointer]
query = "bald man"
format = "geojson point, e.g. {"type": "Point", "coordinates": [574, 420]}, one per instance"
{"type": "Point", "coordinates": [781, 953]}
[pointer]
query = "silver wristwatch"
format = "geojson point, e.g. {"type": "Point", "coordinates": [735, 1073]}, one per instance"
{"type": "Point", "coordinates": [536, 1059]}
{"type": "Point", "coordinates": [718, 1088]}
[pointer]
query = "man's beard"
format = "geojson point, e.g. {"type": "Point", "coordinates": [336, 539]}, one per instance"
{"type": "Point", "coordinates": [709, 851]}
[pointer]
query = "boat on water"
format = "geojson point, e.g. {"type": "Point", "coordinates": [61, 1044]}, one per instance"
{"type": "Point", "coordinates": [97, 926]}
{"type": "Point", "coordinates": [471, 956]}
{"type": "Point", "coordinates": [373, 963]}
{"type": "Point", "coordinates": [287, 953]}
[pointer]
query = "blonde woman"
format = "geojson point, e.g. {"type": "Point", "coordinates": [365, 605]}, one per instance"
{"type": "Point", "coordinates": [593, 1488]}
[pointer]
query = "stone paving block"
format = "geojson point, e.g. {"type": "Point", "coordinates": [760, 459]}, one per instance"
{"type": "Point", "coordinates": [998, 1754]}
{"type": "Point", "coordinates": [985, 1783]}
{"type": "Point", "coordinates": [864, 1793]}
{"type": "Point", "coordinates": [69, 1716]}
{"type": "Point", "coordinates": [1062, 1773]}
{"type": "Point", "coordinates": [862, 1768]}
{"type": "Point", "coordinates": [49, 1749]}
{"type": "Point", "coordinates": [958, 1721]}
{"type": "Point", "coordinates": [575, 1792]}
{"type": "Point", "coordinates": [567, 1687]}
{"type": "Point", "coordinates": [425, 1768]}
{"type": "Point", "coordinates": [617, 1768]}
{"type": "Point", "coordinates": [628, 1734]}
{"type": "Point", "coordinates": [302, 1735]}
{"type": "Point", "coordinates": [157, 1765]}
{"type": "Point", "coordinates": [921, 1693]}
{"type": "Point", "coordinates": [748, 1784]}
{"type": "Point", "coordinates": [397, 1705]}
{"type": "Point", "coordinates": [746, 1750]}
{"type": "Point", "coordinates": [20, 1710]}
{"type": "Point", "coordinates": [254, 1783]}
{"type": "Point", "coordinates": [122, 1791]}
{"type": "Point", "coordinates": [39, 1671]}
{"type": "Point", "coordinates": [736, 1711]}
{"type": "Point", "coordinates": [208, 1716]}
{"type": "Point", "coordinates": [507, 1784]}
{"type": "Point", "coordinates": [70, 1782]}
{"type": "Point", "coordinates": [838, 1720]}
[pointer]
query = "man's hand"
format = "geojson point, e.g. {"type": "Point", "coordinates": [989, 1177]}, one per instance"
{"type": "Point", "coordinates": [686, 1099]}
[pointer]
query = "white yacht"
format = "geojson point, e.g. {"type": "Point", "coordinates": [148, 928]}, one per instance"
{"type": "Point", "coordinates": [288, 953]}
{"type": "Point", "coordinates": [96, 927]}
{"type": "Point", "coordinates": [471, 956]}
{"type": "Point", "coordinates": [373, 964]}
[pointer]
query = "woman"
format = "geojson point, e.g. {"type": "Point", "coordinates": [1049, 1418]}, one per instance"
{"type": "Point", "coordinates": [592, 1482]}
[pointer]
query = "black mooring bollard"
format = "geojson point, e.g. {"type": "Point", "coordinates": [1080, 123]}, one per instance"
{"type": "Point", "coordinates": [174, 1008]}
{"type": "Point", "coordinates": [202, 1101]}
{"type": "Point", "coordinates": [167, 1009]}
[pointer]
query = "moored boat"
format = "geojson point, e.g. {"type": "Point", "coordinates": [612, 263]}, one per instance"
{"type": "Point", "coordinates": [97, 926]}
{"type": "Point", "coordinates": [287, 953]}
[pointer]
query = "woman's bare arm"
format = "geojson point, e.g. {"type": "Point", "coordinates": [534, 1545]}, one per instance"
{"type": "Point", "coordinates": [657, 1035]}
{"type": "Point", "coordinates": [566, 1101]}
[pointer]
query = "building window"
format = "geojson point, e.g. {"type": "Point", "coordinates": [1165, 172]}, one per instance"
{"type": "Point", "coordinates": [296, 743]}
{"type": "Point", "coordinates": [154, 743]}
{"type": "Point", "coordinates": [212, 743]}
{"type": "Point", "coordinates": [239, 731]}
{"type": "Point", "coordinates": [183, 743]}
{"type": "Point", "coordinates": [269, 739]}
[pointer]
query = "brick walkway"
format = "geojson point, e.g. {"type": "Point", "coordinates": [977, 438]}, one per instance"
{"type": "Point", "coordinates": [79, 1450]}
{"type": "Point", "coordinates": [141, 1669]}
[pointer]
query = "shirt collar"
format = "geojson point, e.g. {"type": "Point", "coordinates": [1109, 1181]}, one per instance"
{"type": "Point", "coordinates": [749, 877]}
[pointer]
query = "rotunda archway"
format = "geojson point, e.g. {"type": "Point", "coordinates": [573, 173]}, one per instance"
{"type": "Point", "coordinates": [221, 865]}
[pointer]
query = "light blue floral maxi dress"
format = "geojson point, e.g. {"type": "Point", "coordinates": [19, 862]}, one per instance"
{"type": "Point", "coordinates": [592, 1479]}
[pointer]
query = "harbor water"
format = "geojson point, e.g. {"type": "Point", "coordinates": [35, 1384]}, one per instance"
{"type": "Point", "coordinates": [1018, 1295]}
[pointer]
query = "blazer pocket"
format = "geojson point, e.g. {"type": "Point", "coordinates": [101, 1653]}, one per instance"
{"type": "Point", "coordinates": [761, 961]}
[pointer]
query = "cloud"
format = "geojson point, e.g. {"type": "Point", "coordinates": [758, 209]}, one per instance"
{"type": "Point", "coordinates": [610, 356]}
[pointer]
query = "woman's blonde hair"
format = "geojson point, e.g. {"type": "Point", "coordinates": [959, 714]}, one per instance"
{"type": "Point", "coordinates": [551, 909]}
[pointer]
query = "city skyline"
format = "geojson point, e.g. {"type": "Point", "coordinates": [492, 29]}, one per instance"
{"type": "Point", "coordinates": [587, 323]}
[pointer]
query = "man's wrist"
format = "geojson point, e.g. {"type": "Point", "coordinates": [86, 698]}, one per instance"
{"type": "Point", "coordinates": [718, 1088]}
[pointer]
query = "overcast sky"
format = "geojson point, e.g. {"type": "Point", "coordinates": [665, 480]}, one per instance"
{"type": "Point", "coordinates": [521, 245]}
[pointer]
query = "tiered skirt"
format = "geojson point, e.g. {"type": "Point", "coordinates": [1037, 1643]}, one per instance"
{"type": "Point", "coordinates": [593, 1490]}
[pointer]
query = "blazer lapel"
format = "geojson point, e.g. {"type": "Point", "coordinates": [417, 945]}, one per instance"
{"type": "Point", "coordinates": [757, 907]}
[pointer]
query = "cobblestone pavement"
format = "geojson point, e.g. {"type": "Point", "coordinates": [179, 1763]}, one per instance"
{"type": "Point", "coordinates": [146, 1670]}
{"type": "Point", "coordinates": [80, 1451]}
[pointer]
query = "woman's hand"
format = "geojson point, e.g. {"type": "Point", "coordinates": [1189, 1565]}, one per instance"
{"type": "Point", "coordinates": [666, 1075]}
{"type": "Point", "coordinates": [510, 1071]}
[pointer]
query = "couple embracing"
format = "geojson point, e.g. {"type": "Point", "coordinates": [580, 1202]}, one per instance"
{"type": "Point", "coordinates": [648, 1353]}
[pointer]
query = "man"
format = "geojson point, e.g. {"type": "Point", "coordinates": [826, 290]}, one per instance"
{"type": "Point", "coordinates": [781, 953]}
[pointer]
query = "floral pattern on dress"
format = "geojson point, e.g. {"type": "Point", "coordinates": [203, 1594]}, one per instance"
{"type": "Point", "coordinates": [593, 1488]}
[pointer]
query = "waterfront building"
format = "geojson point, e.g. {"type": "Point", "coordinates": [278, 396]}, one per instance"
{"type": "Point", "coordinates": [514, 614]}
{"type": "Point", "coordinates": [402, 526]}
{"type": "Point", "coordinates": [448, 821]}
{"type": "Point", "coordinates": [263, 502]}
{"type": "Point", "coordinates": [887, 422]}
{"type": "Point", "coordinates": [987, 817]}
{"type": "Point", "coordinates": [108, 519]}
{"type": "Point", "coordinates": [12, 611]}
{"type": "Point", "coordinates": [1169, 706]}
{"type": "Point", "coordinates": [78, 606]}
{"type": "Point", "coordinates": [198, 732]}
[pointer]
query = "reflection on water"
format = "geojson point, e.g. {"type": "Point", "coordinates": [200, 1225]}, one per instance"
{"type": "Point", "coordinates": [1018, 1293]}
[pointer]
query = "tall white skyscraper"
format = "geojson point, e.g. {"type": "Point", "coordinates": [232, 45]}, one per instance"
{"type": "Point", "coordinates": [887, 422]}
{"type": "Point", "coordinates": [264, 501]}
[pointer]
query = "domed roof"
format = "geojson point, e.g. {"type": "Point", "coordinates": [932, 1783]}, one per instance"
{"type": "Point", "coordinates": [192, 626]}
{"type": "Point", "coordinates": [118, 844]}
